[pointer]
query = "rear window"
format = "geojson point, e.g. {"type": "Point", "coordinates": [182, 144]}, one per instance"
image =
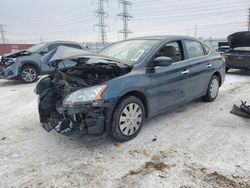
{"type": "Point", "coordinates": [242, 49]}
{"type": "Point", "coordinates": [194, 49]}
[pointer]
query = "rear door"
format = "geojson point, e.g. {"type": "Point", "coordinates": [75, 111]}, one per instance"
{"type": "Point", "coordinates": [201, 67]}
{"type": "Point", "coordinates": [170, 85]}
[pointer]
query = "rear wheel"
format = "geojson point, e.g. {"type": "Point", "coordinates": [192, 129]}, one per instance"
{"type": "Point", "coordinates": [213, 89]}
{"type": "Point", "coordinates": [29, 74]}
{"type": "Point", "coordinates": [128, 119]}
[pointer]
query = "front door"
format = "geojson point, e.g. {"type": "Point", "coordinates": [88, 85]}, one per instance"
{"type": "Point", "coordinates": [170, 85]}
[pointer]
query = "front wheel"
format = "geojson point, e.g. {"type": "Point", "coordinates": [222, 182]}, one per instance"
{"type": "Point", "coordinates": [29, 74]}
{"type": "Point", "coordinates": [128, 119]}
{"type": "Point", "coordinates": [212, 90]}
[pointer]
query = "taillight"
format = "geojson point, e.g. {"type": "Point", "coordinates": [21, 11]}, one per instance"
{"type": "Point", "coordinates": [223, 58]}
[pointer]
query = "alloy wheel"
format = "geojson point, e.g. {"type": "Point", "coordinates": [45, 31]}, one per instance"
{"type": "Point", "coordinates": [29, 75]}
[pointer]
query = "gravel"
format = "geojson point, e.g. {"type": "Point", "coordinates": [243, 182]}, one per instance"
{"type": "Point", "coordinates": [197, 145]}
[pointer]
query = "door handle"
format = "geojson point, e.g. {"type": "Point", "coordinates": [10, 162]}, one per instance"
{"type": "Point", "coordinates": [185, 71]}
{"type": "Point", "coordinates": [209, 65]}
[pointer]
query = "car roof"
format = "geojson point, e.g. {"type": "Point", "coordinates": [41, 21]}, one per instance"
{"type": "Point", "coordinates": [62, 41]}
{"type": "Point", "coordinates": [164, 37]}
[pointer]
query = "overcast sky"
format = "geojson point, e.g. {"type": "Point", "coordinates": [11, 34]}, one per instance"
{"type": "Point", "coordinates": [29, 20]}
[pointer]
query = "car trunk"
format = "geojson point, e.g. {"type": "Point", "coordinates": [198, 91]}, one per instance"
{"type": "Point", "coordinates": [238, 59]}
{"type": "Point", "coordinates": [239, 55]}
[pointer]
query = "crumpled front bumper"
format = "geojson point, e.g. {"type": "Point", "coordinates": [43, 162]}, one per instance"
{"type": "Point", "coordinates": [10, 72]}
{"type": "Point", "coordinates": [89, 118]}
{"type": "Point", "coordinates": [93, 115]}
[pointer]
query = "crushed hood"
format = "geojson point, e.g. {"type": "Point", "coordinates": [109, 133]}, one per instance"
{"type": "Point", "coordinates": [16, 54]}
{"type": "Point", "coordinates": [62, 53]}
{"type": "Point", "coordinates": [239, 39]}
{"type": "Point", "coordinates": [5, 58]}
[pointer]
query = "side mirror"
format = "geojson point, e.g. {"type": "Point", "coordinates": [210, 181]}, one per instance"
{"type": "Point", "coordinates": [163, 61]}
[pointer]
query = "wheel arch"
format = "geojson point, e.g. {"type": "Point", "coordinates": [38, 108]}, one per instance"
{"type": "Point", "coordinates": [140, 95]}
{"type": "Point", "coordinates": [29, 63]}
{"type": "Point", "coordinates": [218, 74]}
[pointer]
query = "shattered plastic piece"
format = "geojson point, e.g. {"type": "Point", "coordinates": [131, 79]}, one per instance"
{"type": "Point", "coordinates": [239, 112]}
{"type": "Point", "coordinates": [245, 108]}
{"type": "Point", "coordinates": [62, 125]}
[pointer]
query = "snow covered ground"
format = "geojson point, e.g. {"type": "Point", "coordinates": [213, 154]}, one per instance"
{"type": "Point", "coordinates": [198, 145]}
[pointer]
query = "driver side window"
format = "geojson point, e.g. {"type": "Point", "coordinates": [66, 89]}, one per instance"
{"type": "Point", "coordinates": [172, 50]}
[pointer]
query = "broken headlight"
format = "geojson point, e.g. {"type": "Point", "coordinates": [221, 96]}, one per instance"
{"type": "Point", "coordinates": [10, 62]}
{"type": "Point", "coordinates": [84, 95]}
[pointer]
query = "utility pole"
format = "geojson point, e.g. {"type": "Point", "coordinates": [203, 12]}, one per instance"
{"type": "Point", "coordinates": [101, 15]}
{"type": "Point", "coordinates": [2, 31]}
{"type": "Point", "coordinates": [249, 19]}
{"type": "Point", "coordinates": [125, 17]}
{"type": "Point", "coordinates": [195, 31]}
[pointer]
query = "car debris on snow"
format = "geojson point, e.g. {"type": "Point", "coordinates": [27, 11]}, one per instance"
{"type": "Point", "coordinates": [243, 110]}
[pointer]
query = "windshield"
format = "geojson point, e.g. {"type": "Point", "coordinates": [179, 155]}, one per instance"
{"type": "Point", "coordinates": [129, 51]}
{"type": "Point", "coordinates": [36, 47]}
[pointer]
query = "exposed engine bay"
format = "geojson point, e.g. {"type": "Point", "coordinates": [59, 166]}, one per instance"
{"type": "Point", "coordinates": [53, 90]}
{"type": "Point", "coordinates": [6, 58]}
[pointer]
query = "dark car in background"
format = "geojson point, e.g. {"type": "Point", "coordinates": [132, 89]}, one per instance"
{"type": "Point", "coordinates": [27, 65]}
{"type": "Point", "coordinates": [126, 83]}
{"type": "Point", "coordinates": [223, 47]}
{"type": "Point", "coordinates": [238, 57]}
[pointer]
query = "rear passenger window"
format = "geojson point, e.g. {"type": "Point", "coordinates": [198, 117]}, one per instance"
{"type": "Point", "coordinates": [194, 49]}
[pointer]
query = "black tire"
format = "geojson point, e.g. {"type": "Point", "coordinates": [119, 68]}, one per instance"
{"type": "Point", "coordinates": [210, 94]}
{"type": "Point", "coordinates": [34, 73]}
{"type": "Point", "coordinates": [227, 69]}
{"type": "Point", "coordinates": [115, 130]}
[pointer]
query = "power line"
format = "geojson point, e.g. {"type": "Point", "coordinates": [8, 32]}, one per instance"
{"type": "Point", "coordinates": [170, 15]}
{"type": "Point", "coordinates": [125, 17]}
{"type": "Point", "coordinates": [164, 15]}
{"type": "Point", "coordinates": [55, 23]}
{"type": "Point", "coordinates": [102, 15]}
{"type": "Point", "coordinates": [53, 16]}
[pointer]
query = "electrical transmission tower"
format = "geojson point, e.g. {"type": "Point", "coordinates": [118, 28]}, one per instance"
{"type": "Point", "coordinates": [125, 17]}
{"type": "Point", "coordinates": [102, 27]}
{"type": "Point", "coordinates": [249, 19]}
{"type": "Point", "coordinates": [2, 31]}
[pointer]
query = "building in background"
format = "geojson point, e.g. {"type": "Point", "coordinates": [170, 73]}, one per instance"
{"type": "Point", "coordinates": [213, 42]}
{"type": "Point", "coordinates": [10, 48]}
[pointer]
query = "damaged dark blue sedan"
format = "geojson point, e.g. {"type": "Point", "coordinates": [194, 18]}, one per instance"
{"type": "Point", "coordinates": [116, 90]}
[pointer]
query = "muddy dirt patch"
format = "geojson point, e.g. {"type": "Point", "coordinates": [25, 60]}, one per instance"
{"type": "Point", "coordinates": [215, 179]}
